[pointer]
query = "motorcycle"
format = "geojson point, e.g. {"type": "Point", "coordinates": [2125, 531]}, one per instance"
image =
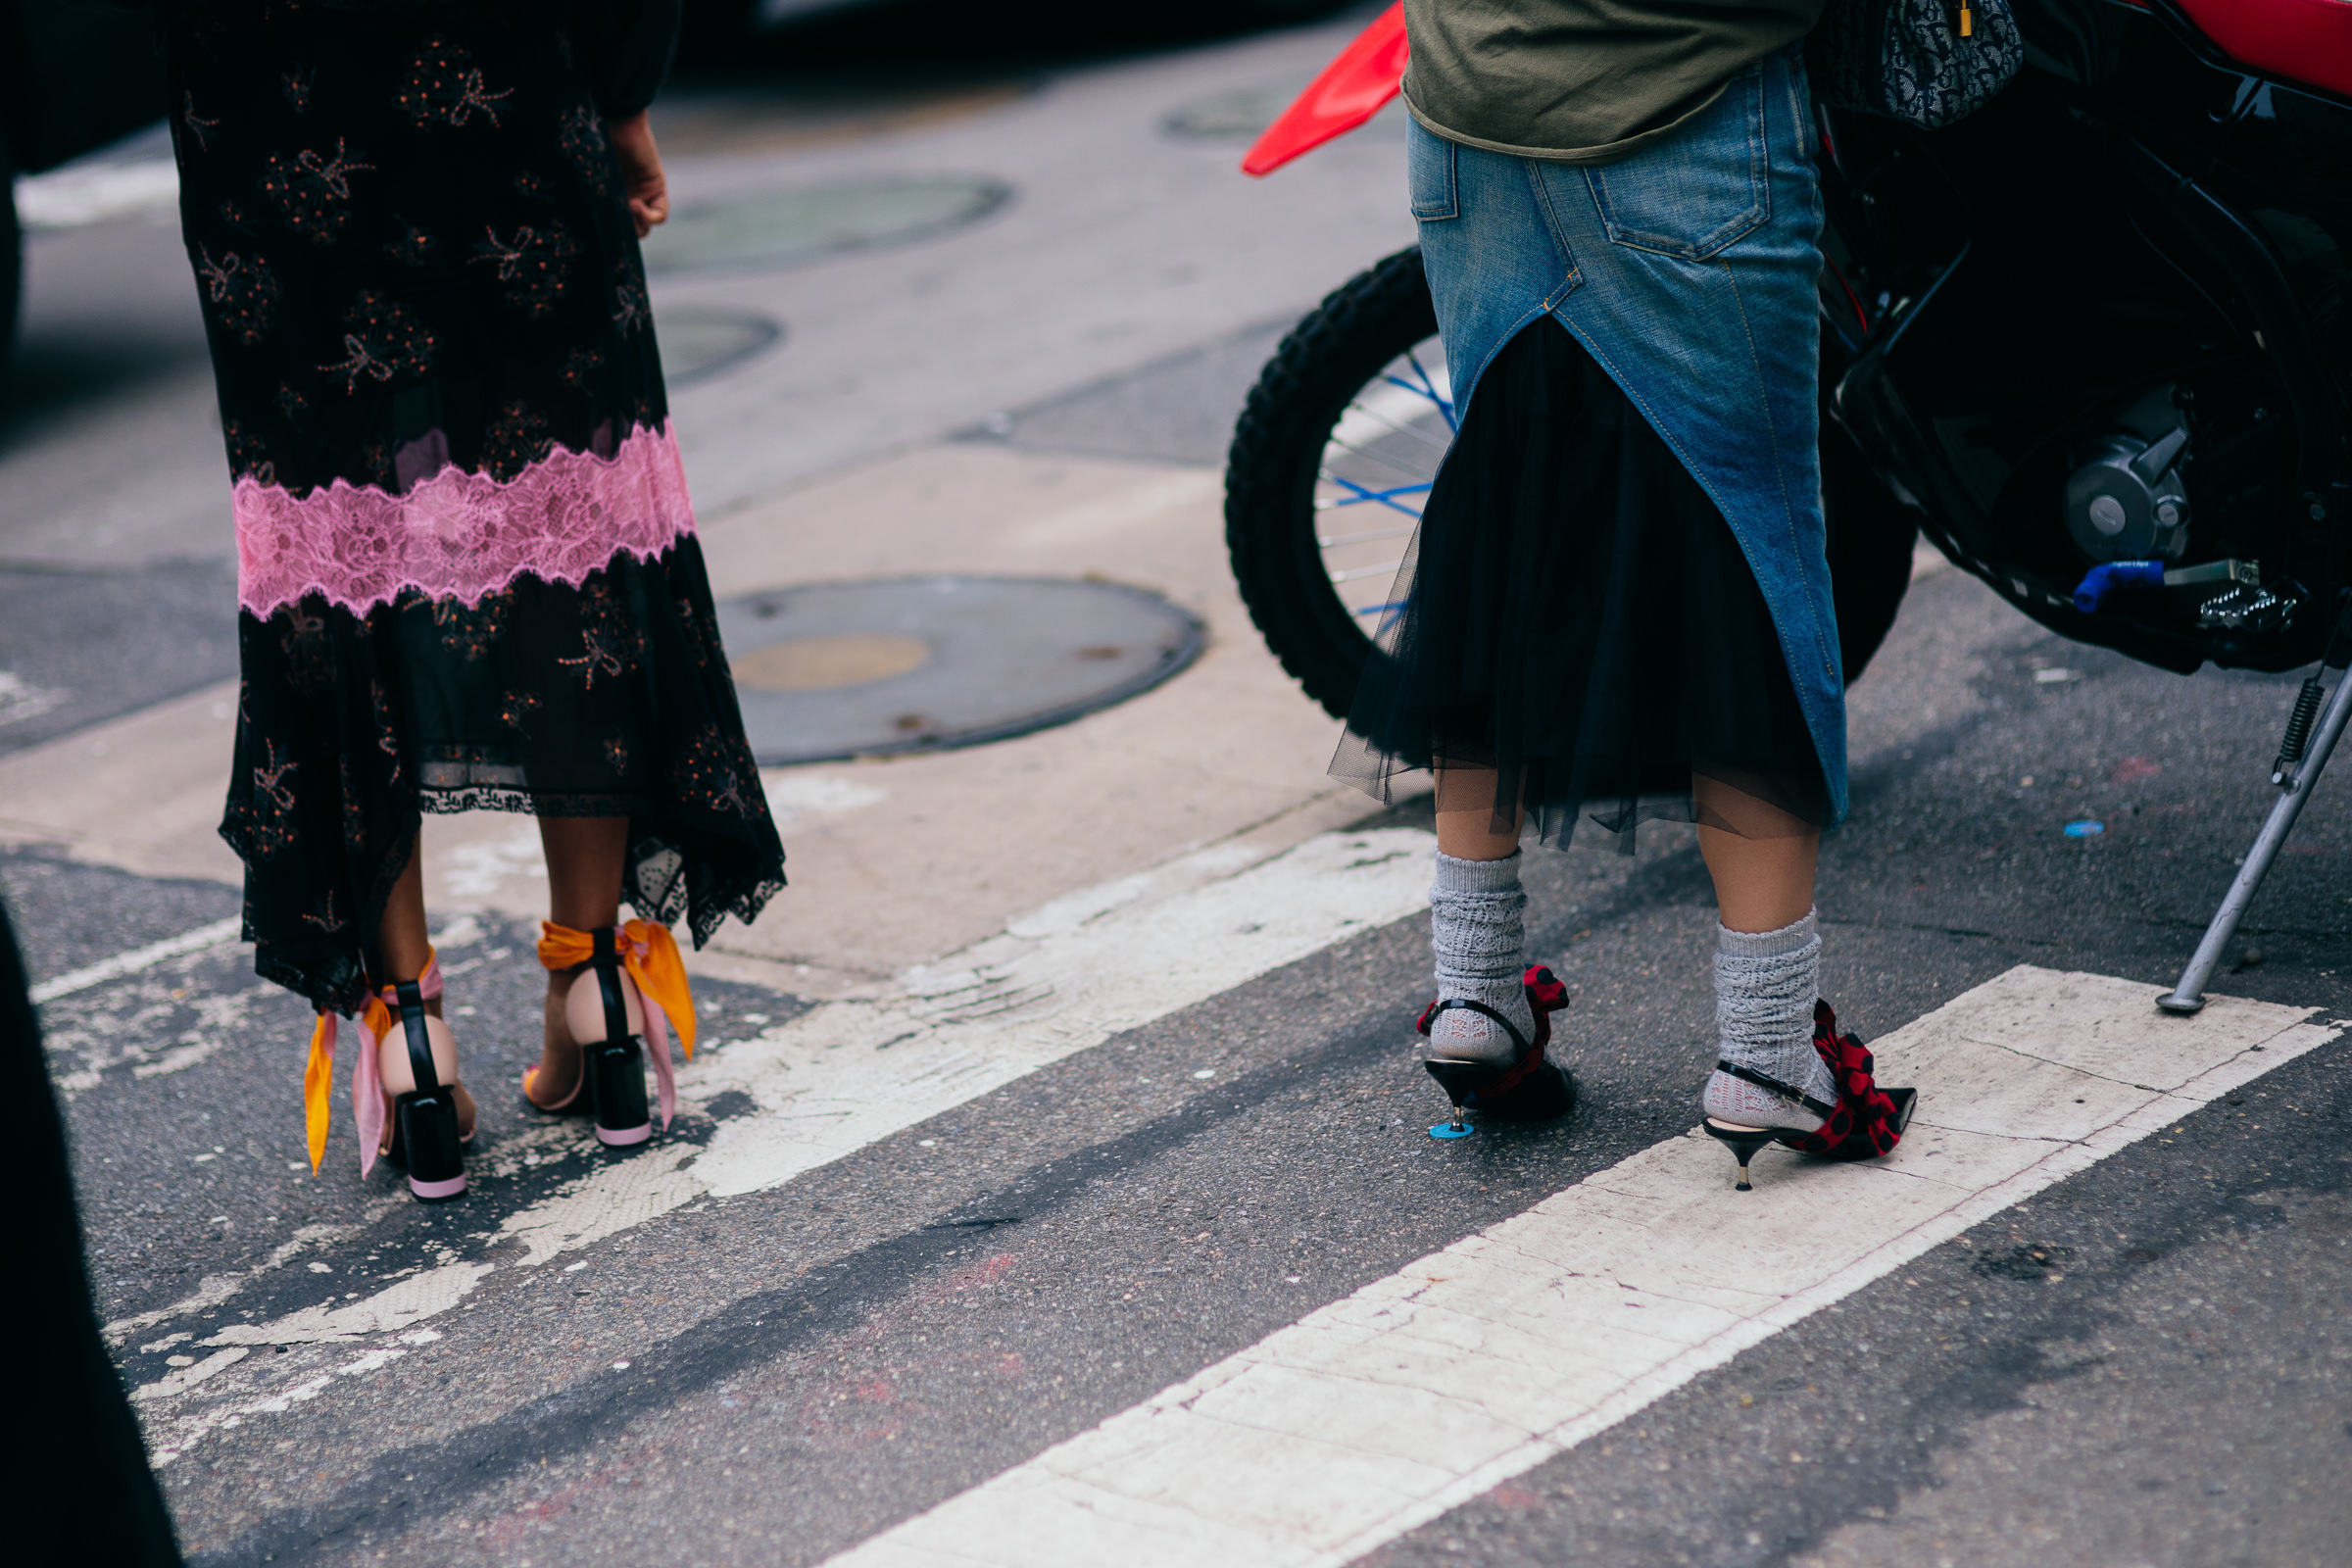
{"type": "Point", "coordinates": [2091, 341]}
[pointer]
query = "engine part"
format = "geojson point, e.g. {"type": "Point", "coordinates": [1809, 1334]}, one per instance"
{"type": "Point", "coordinates": [2245, 608]}
{"type": "Point", "coordinates": [2090, 593]}
{"type": "Point", "coordinates": [2125, 501]}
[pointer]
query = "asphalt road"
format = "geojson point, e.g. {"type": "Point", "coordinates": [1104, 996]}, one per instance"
{"type": "Point", "coordinates": [2142, 1362]}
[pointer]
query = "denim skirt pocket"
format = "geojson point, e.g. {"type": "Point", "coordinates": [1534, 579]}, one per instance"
{"type": "Point", "coordinates": [1429, 172]}
{"type": "Point", "coordinates": [1698, 190]}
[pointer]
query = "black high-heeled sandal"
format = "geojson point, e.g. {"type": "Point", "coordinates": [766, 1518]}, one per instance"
{"type": "Point", "coordinates": [1867, 1121]}
{"type": "Point", "coordinates": [424, 1120]}
{"type": "Point", "coordinates": [613, 1068]}
{"type": "Point", "coordinates": [1527, 1088]}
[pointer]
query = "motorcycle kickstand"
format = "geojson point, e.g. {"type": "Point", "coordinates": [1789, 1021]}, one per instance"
{"type": "Point", "coordinates": [2189, 994]}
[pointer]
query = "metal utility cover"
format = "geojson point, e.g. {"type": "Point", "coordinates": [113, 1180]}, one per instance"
{"type": "Point", "coordinates": [758, 234]}
{"type": "Point", "coordinates": [832, 670]}
{"type": "Point", "coordinates": [701, 341]}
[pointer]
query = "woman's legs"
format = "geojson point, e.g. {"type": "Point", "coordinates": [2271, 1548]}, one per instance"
{"type": "Point", "coordinates": [1767, 958]}
{"type": "Point", "coordinates": [1761, 856]}
{"type": "Point", "coordinates": [400, 943]}
{"type": "Point", "coordinates": [403, 947]}
{"type": "Point", "coordinates": [584, 864]}
{"type": "Point", "coordinates": [1477, 917]}
{"type": "Point", "coordinates": [1466, 829]}
{"type": "Point", "coordinates": [1767, 954]}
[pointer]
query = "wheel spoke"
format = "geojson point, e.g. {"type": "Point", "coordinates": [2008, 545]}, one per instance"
{"type": "Point", "coordinates": [1388, 421]}
{"type": "Point", "coordinates": [1417, 471]}
{"type": "Point", "coordinates": [1429, 388]}
{"type": "Point", "coordinates": [1365, 572]}
{"type": "Point", "coordinates": [1386, 498]}
{"type": "Point", "coordinates": [1335, 540]}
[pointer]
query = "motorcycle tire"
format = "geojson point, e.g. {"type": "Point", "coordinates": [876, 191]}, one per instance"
{"type": "Point", "coordinates": [1277, 457]}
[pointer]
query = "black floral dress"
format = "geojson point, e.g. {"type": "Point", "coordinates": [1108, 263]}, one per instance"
{"type": "Point", "coordinates": [467, 561]}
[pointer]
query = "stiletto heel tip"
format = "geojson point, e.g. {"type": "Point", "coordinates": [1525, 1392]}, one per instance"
{"type": "Point", "coordinates": [625, 1137]}
{"type": "Point", "coordinates": [437, 1192]}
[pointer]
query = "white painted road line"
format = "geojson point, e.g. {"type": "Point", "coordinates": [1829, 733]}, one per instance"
{"type": "Point", "coordinates": [1380, 1412]}
{"type": "Point", "coordinates": [847, 1073]}
{"type": "Point", "coordinates": [218, 934]}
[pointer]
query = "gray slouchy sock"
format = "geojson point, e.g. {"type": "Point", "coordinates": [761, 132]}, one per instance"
{"type": "Point", "coordinates": [1765, 985]}
{"type": "Point", "coordinates": [1475, 929]}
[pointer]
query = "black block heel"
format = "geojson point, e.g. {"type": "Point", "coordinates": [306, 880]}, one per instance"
{"type": "Point", "coordinates": [1744, 1142]}
{"type": "Point", "coordinates": [425, 1118]}
{"type": "Point", "coordinates": [616, 1064]}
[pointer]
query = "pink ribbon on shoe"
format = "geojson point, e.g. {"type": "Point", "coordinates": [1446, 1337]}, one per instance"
{"type": "Point", "coordinates": [638, 956]}
{"type": "Point", "coordinates": [650, 966]}
{"type": "Point", "coordinates": [367, 1080]}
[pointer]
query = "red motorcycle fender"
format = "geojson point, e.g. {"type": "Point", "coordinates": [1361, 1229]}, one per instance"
{"type": "Point", "coordinates": [1351, 89]}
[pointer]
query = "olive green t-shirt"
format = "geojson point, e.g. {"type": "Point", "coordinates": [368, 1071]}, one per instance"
{"type": "Point", "coordinates": [1582, 80]}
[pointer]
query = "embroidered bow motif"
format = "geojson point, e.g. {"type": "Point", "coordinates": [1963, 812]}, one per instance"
{"type": "Point", "coordinates": [598, 660]}
{"type": "Point", "coordinates": [220, 276]}
{"type": "Point", "coordinates": [269, 780]}
{"type": "Point", "coordinates": [473, 97]}
{"type": "Point", "coordinates": [197, 126]}
{"type": "Point", "coordinates": [731, 798]}
{"type": "Point", "coordinates": [510, 258]}
{"type": "Point", "coordinates": [335, 176]}
{"type": "Point", "coordinates": [633, 312]}
{"type": "Point", "coordinates": [359, 360]}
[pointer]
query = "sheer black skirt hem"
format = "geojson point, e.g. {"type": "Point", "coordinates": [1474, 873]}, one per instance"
{"type": "Point", "coordinates": [1583, 638]}
{"type": "Point", "coordinates": [609, 699]}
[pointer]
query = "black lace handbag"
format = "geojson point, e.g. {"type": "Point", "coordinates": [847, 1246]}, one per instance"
{"type": "Point", "coordinates": [1924, 62]}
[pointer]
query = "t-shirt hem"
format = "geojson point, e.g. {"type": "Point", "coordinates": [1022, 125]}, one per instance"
{"type": "Point", "coordinates": [1605, 153]}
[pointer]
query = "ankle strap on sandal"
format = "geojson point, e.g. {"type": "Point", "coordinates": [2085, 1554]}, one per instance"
{"type": "Point", "coordinates": [648, 955]}
{"type": "Point", "coordinates": [367, 1080]}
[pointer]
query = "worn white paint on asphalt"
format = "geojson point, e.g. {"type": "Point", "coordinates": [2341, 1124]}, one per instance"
{"type": "Point", "coordinates": [846, 1073]}
{"type": "Point", "coordinates": [1381, 1412]}
{"type": "Point", "coordinates": [218, 934]}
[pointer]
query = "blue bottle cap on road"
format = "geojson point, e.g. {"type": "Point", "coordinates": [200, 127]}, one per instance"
{"type": "Point", "coordinates": [1450, 1129]}
{"type": "Point", "coordinates": [2085, 829]}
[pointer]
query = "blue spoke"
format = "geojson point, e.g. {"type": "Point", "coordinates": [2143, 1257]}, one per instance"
{"type": "Point", "coordinates": [1426, 387]}
{"type": "Point", "coordinates": [1365, 493]}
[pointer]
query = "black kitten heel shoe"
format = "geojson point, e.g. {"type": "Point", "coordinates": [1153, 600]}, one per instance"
{"type": "Point", "coordinates": [1866, 1122]}
{"type": "Point", "coordinates": [1527, 1088]}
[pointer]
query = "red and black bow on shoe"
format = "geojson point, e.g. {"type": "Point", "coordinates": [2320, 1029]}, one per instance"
{"type": "Point", "coordinates": [1528, 1088]}
{"type": "Point", "coordinates": [1868, 1121]}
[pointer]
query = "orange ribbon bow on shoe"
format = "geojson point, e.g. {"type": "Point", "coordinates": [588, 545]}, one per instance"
{"type": "Point", "coordinates": [649, 956]}
{"type": "Point", "coordinates": [366, 1079]}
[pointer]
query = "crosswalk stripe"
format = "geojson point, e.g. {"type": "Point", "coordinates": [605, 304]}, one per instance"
{"type": "Point", "coordinates": [845, 1074]}
{"type": "Point", "coordinates": [203, 937]}
{"type": "Point", "coordinates": [1382, 1411]}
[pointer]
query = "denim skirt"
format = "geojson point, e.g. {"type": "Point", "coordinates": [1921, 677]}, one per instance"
{"type": "Point", "coordinates": [1620, 577]}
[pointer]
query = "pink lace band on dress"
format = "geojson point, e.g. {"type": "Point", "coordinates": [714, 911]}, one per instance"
{"type": "Point", "coordinates": [458, 534]}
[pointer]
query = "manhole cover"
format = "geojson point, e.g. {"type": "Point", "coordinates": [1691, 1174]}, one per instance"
{"type": "Point", "coordinates": [1239, 113]}
{"type": "Point", "coordinates": [918, 663]}
{"type": "Point", "coordinates": [698, 342]}
{"type": "Point", "coordinates": [783, 227]}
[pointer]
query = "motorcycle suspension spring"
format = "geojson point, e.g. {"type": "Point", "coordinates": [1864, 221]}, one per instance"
{"type": "Point", "coordinates": [2298, 729]}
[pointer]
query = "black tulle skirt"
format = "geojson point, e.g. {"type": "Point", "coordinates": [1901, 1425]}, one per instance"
{"type": "Point", "coordinates": [1582, 636]}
